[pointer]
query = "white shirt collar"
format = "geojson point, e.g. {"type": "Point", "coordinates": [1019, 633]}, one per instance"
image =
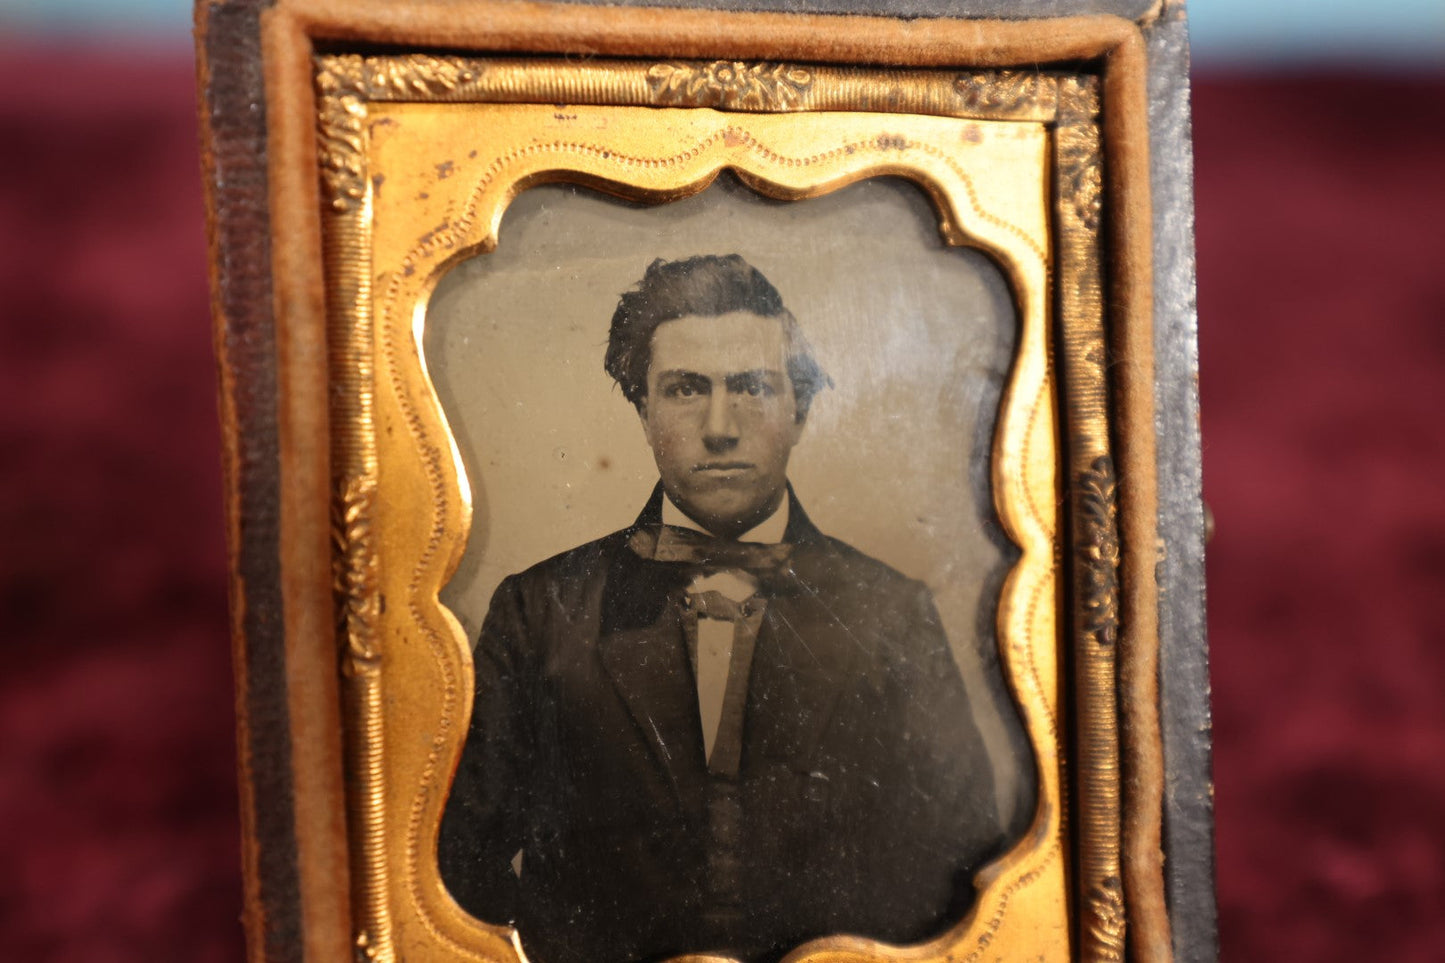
{"type": "Point", "coordinates": [769, 531]}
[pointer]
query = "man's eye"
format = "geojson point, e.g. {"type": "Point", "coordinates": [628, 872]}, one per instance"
{"type": "Point", "coordinates": [684, 390]}
{"type": "Point", "coordinates": [757, 389]}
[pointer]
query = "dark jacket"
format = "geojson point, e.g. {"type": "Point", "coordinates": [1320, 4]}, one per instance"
{"type": "Point", "coordinates": [865, 797]}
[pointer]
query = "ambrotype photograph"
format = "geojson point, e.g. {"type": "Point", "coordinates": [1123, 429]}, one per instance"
{"type": "Point", "coordinates": [733, 573]}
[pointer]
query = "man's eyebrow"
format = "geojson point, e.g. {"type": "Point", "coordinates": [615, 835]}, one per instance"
{"type": "Point", "coordinates": [754, 374]}
{"type": "Point", "coordinates": [751, 374]}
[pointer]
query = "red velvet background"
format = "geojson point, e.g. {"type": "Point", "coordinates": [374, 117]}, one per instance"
{"type": "Point", "coordinates": [1321, 258]}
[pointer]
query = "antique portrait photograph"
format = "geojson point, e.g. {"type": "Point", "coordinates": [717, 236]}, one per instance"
{"type": "Point", "coordinates": [733, 573]}
{"type": "Point", "coordinates": [699, 513]}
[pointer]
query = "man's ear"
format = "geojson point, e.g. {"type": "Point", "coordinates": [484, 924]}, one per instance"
{"type": "Point", "coordinates": [800, 415]}
{"type": "Point", "coordinates": [800, 421]}
{"type": "Point", "coordinates": [641, 405]}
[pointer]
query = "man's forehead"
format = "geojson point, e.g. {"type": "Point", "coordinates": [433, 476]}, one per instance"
{"type": "Point", "coordinates": [735, 342]}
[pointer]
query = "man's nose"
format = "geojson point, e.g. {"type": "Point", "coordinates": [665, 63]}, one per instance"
{"type": "Point", "coordinates": [720, 430]}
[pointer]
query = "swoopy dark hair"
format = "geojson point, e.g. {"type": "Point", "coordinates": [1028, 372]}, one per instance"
{"type": "Point", "coordinates": [708, 285]}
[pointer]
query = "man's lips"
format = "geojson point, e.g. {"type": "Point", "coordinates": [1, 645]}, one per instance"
{"type": "Point", "coordinates": [723, 466]}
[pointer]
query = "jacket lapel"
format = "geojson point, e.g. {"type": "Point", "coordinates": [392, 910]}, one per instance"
{"type": "Point", "coordinates": [642, 648]}
{"type": "Point", "coordinates": [804, 654]}
{"type": "Point", "coordinates": [650, 671]}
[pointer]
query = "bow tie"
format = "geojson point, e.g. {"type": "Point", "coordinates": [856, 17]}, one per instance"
{"type": "Point", "coordinates": [715, 605]}
{"type": "Point", "coordinates": [668, 543]}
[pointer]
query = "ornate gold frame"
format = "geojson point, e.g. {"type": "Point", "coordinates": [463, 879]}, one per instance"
{"type": "Point", "coordinates": [299, 378]}
{"type": "Point", "coordinates": [1013, 162]}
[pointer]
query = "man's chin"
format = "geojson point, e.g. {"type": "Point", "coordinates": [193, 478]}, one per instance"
{"type": "Point", "coordinates": [721, 515]}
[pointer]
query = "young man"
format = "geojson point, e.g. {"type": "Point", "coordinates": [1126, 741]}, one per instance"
{"type": "Point", "coordinates": [717, 730]}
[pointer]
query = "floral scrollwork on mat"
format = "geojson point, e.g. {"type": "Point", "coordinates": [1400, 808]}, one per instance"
{"type": "Point", "coordinates": [993, 91]}
{"type": "Point", "coordinates": [421, 76]}
{"type": "Point", "coordinates": [729, 83]}
{"type": "Point", "coordinates": [341, 147]}
{"type": "Point", "coordinates": [364, 950]}
{"type": "Point", "coordinates": [1106, 921]}
{"type": "Point", "coordinates": [354, 572]}
{"type": "Point", "coordinates": [1081, 155]}
{"type": "Point", "coordinates": [1099, 550]}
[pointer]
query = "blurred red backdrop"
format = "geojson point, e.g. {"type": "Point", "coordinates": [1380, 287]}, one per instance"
{"type": "Point", "coordinates": [1321, 230]}
{"type": "Point", "coordinates": [1322, 301]}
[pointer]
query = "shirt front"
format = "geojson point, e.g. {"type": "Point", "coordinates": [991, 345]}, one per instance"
{"type": "Point", "coordinates": [718, 638]}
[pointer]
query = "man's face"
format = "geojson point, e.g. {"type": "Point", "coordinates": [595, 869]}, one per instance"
{"type": "Point", "coordinates": [721, 417]}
